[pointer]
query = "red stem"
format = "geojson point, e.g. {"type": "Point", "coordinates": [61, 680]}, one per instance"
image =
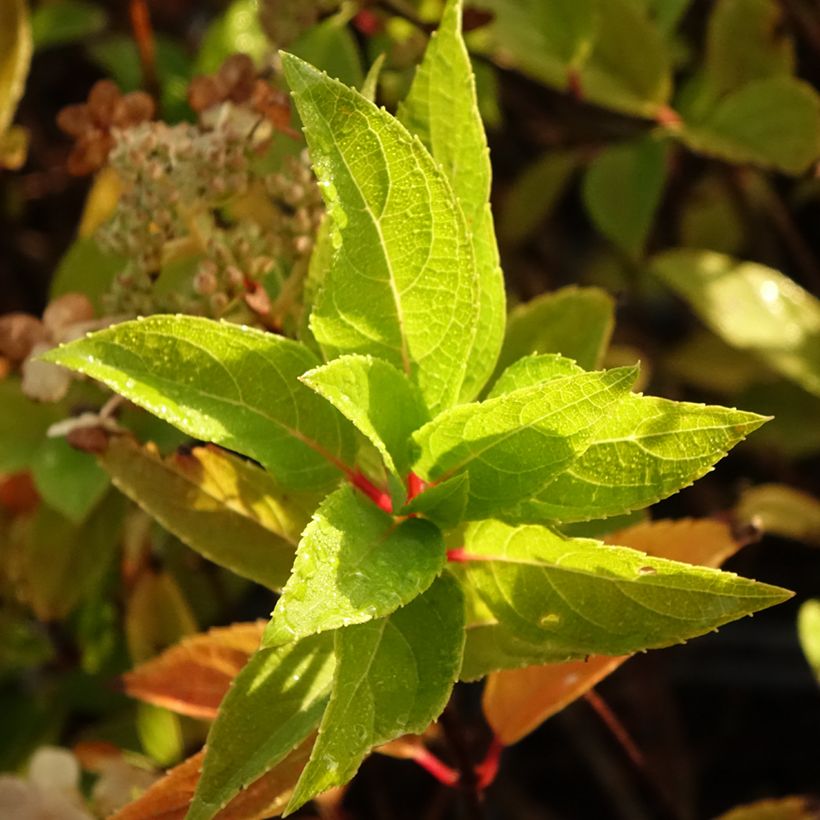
{"type": "Point", "coordinates": [415, 485]}
{"type": "Point", "coordinates": [487, 770]}
{"type": "Point", "coordinates": [438, 768]}
{"type": "Point", "coordinates": [379, 497]}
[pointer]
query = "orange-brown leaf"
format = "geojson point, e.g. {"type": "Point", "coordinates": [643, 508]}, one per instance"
{"type": "Point", "coordinates": [192, 677]}
{"type": "Point", "coordinates": [517, 701]}
{"type": "Point", "coordinates": [169, 798]}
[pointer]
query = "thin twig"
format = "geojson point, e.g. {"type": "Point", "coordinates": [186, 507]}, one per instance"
{"type": "Point", "coordinates": [146, 47]}
{"type": "Point", "coordinates": [468, 779]}
{"type": "Point", "coordinates": [617, 728]}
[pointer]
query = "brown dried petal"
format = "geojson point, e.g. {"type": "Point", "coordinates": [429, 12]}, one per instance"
{"type": "Point", "coordinates": [88, 439]}
{"type": "Point", "coordinates": [133, 109]}
{"type": "Point", "coordinates": [75, 120]}
{"type": "Point", "coordinates": [90, 153]}
{"type": "Point", "coordinates": [258, 300]}
{"type": "Point", "coordinates": [68, 309]}
{"type": "Point", "coordinates": [19, 332]}
{"type": "Point", "coordinates": [238, 75]}
{"type": "Point", "coordinates": [102, 102]}
{"type": "Point", "coordinates": [272, 104]}
{"type": "Point", "coordinates": [203, 93]}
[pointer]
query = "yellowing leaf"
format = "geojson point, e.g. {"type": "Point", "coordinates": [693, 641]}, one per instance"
{"type": "Point", "coordinates": [784, 808]}
{"type": "Point", "coordinates": [15, 55]}
{"type": "Point", "coordinates": [517, 701]}
{"type": "Point", "coordinates": [192, 677]}
{"type": "Point", "coordinates": [169, 798]}
{"type": "Point", "coordinates": [781, 510]}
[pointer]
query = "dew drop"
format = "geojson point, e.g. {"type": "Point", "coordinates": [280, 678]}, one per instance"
{"type": "Point", "coordinates": [647, 571]}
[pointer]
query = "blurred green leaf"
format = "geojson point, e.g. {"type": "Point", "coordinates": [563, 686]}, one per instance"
{"type": "Point", "coordinates": [331, 47]}
{"type": "Point", "coordinates": [808, 630]}
{"type": "Point", "coordinates": [709, 218]}
{"type": "Point", "coordinates": [622, 190]}
{"type": "Point", "coordinates": [781, 510]}
{"type": "Point", "coordinates": [237, 29]}
{"type": "Point", "coordinates": [751, 306]}
{"type": "Point", "coordinates": [86, 268]}
{"type": "Point", "coordinates": [68, 480]}
{"type": "Point", "coordinates": [15, 56]}
{"type": "Point", "coordinates": [60, 22]}
{"type": "Point", "coordinates": [23, 425]}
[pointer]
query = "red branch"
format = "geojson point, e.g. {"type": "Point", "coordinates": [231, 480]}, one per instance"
{"type": "Point", "coordinates": [379, 497]}
{"type": "Point", "coordinates": [438, 768]}
{"type": "Point", "coordinates": [415, 485]}
{"type": "Point", "coordinates": [487, 770]}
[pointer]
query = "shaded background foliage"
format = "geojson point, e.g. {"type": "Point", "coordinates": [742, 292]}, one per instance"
{"type": "Point", "coordinates": [732, 717]}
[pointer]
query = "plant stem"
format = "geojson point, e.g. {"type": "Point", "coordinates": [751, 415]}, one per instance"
{"type": "Point", "coordinates": [146, 47]}
{"type": "Point", "coordinates": [468, 779]}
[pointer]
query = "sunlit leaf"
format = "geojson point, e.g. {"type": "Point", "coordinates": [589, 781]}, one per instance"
{"type": "Point", "coordinates": [782, 808]}
{"type": "Point", "coordinates": [354, 563]}
{"type": "Point", "coordinates": [393, 677]}
{"type": "Point", "coordinates": [15, 56]}
{"type": "Point", "coordinates": [231, 385]}
{"type": "Point", "coordinates": [808, 630]}
{"type": "Point", "coordinates": [421, 286]}
{"type": "Point", "coordinates": [752, 307]}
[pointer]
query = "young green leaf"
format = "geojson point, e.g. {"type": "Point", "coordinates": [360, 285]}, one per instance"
{"type": "Point", "coordinates": [444, 503]}
{"type": "Point", "coordinates": [403, 283]}
{"type": "Point", "coordinates": [23, 426]}
{"type": "Point", "coordinates": [773, 123]}
{"type": "Point", "coordinates": [393, 676]}
{"type": "Point", "coordinates": [275, 702]}
{"type": "Point", "coordinates": [354, 563]}
{"type": "Point", "coordinates": [442, 110]}
{"type": "Point", "coordinates": [231, 385]}
{"type": "Point", "coordinates": [514, 445]}
{"type": "Point", "coordinates": [576, 322]}
{"type": "Point", "coordinates": [380, 401]}
{"type": "Point", "coordinates": [532, 370]}
{"type": "Point", "coordinates": [227, 509]}
{"type": "Point", "coordinates": [622, 190]}
{"type": "Point", "coordinates": [752, 307]}
{"type": "Point", "coordinates": [646, 450]}
{"type": "Point", "coordinates": [808, 630]}
{"type": "Point", "coordinates": [584, 597]}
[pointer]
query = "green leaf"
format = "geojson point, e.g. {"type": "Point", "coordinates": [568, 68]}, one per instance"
{"type": "Point", "coordinates": [370, 85]}
{"type": "Point", "coordinates": [532, 370]}
{"type": "Point", "coordinates": [581, 596]}
{"type": "Point", "coordinates": [15, 57]}
{"type": "Point", "coordinates": [393, 677]}
{"type": "Point", "coordinates": [773, 123]}
{"type": "Point", "coordinates": [67, 21]}
{"type": "Point", "coordinates": [622, 191]}
{"type": "Point", "coordinates": [331, 47]}
{"type": "Point", "coordinates": [514, 445]}
{"type": "Point", "coordinates": [629, 67]}
{"type": "Point", "coordinates": [68, 480]}
{"type": "Point", "coordinates": [745, 41]}
{"type": "Point", "coordinates": [543, 40]}
{"type": "Point", "coordinates": [231, 385]}
{"type": "Point", "coordinates": [275, 702]}
{"type": "Point", "coordinates": [86, 268]}
{"type": "Point", "coordinates": [444, 503]}
{"type": "Point", "coordinates": [752, 307]}
{"type": "Point", "coordinates": [380, 401]}
{"type": "Point", "coordinates": [23, 425]}
{"type": "Point", "coordinates": [354, 563]}
{"type": "Point", "coordinates": [576, 322]}
{"type": "Point", "coordinates": [808, 630]}
{"type": "Point", "coordinates": [421, 292]}
{"type": "Point", "coordinates": [237, 29]}
{"type": "Point", "coordinates": [442, 110]}
{"type": "Point", "coordinates": [534, 194]}
{"type": "Point", "coordinates": [645, 450]}
{"type": "Point", "coordinates": [227, 509]}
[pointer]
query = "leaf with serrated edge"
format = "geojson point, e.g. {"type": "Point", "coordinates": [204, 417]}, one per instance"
{"type": "Point", "coordinates": [516, 701]}
{"type": "Point", "coordinates": [514, 445]}
{"type": "Point", "coordinates": [403, 283]}
{"type": "Point", "coordinates": [531, 370]}
{"type": "Point", "coordinates": [393, 677]}
{"type": "Point", "coordinates": [585, 597]}
{"type": "Point", "coordinates": [378, 399]}
{"type": "Point", "coordinates": [234, 386]}
{"type": "Point", "coordinates": [274, 704]}
{"type": "Point", "coordinates": [576, 322]}
{"type": "Point", "coordinates": [646, 450]}
{"type": "Point", "coordinates": [192, 677]}
{"type": "Point", "coordinates": [442, 110]}
{"type": "Point", "coordinates": [229, 510]}
{"type": "Point", "coordinates": [354, 563]}
{"type": "Point", "coordinates": [752, 307]}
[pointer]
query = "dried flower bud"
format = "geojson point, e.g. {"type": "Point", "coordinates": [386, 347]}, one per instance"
{"type": "Point", "coordinates": [88, 439]}
{"type": "Point", "coordinates": [133, 109]}
{"type": "Point", "coordinates": [44, 381]}
{"type": "Point", "coordinates": [236, 278]}
{"type": "Point", "coordinates": [90, 153]}
{"type": "Point", "coordinates": [219, 301]}
{"type": "Point", "coordinates": [102, 102]}
{"type": "Point", "coordinates": [204, 282]}
{"type": "Point", "coordinates": [237, 76]}
{"type": "Point", "coordinates": [66, 310]}
{"type": "Point", "coordinates": [19, 332]}
{"type": "Point", "coordinates": [203, 93]}
{"type": "Point", "coordinates": [75, 120]}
